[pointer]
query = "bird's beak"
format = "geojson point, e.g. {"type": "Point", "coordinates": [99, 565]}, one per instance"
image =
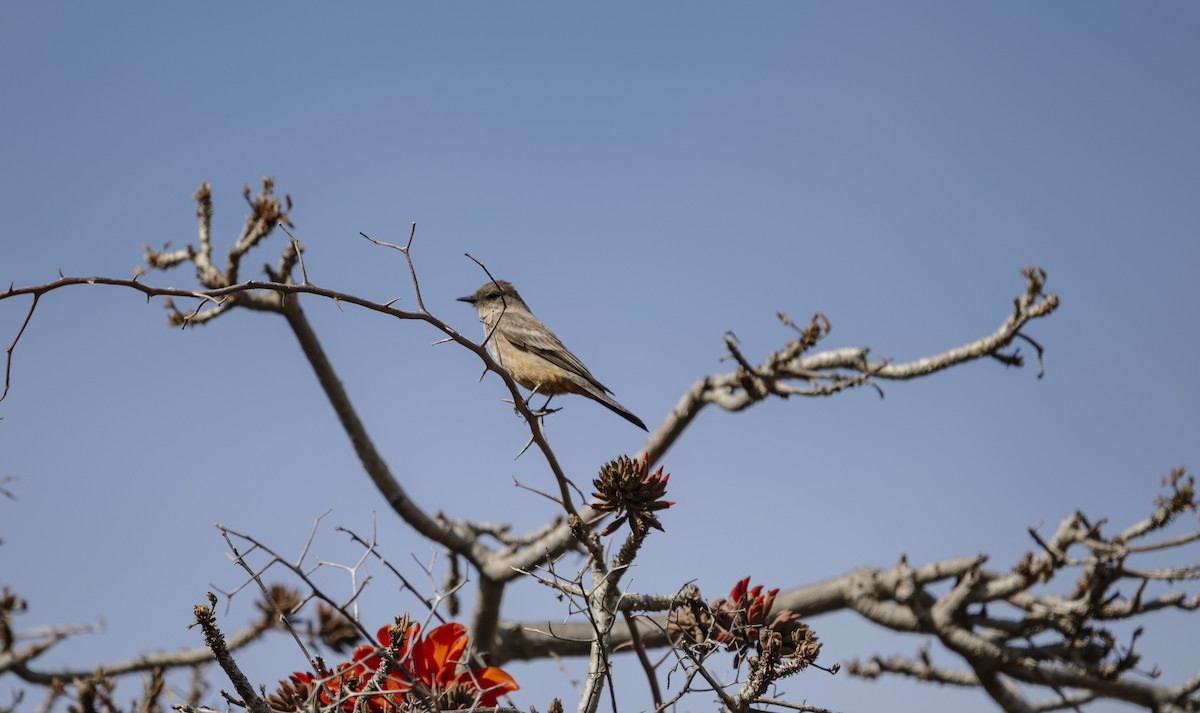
{"type": "Point", "coordinates": [469, 299]}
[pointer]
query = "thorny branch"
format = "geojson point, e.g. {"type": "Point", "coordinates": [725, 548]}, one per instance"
{"type": "Point", "coordinates": [1085, 662]}
{"type": "Point", "coordinates": [824, 372]}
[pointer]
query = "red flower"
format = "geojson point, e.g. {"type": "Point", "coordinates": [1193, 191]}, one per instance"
{"type": "Point", "coordinates": [747, 606]}
{"type": "Point", "coordinates": [436, 658]}
{"type": "Point", "coordinates": [433, 661]}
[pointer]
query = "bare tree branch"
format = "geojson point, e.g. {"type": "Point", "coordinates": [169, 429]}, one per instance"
{"type": "Point", "coordinates": [17, 662]}
{"type": "Point", "coordinates": [829, 372]}
{"type": "Point", "coordinates": [1073, 656]}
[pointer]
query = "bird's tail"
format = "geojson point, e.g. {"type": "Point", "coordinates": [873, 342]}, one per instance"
{"type": "Point", "coordinates": [612, 405]}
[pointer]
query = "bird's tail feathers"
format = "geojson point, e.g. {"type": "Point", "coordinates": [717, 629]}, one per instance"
{"type": "Point", "coordinates": [612, 405]}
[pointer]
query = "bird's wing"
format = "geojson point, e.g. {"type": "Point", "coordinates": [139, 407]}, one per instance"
{"type": "Point", "coordinates": [530, 334]}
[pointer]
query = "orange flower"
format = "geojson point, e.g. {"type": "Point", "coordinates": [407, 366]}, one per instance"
{"type": "Point", "coordinates": [433, 661]}
{"type": "Point", "coordinates": [748, 607]}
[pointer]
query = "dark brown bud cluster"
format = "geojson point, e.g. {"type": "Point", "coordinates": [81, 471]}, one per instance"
{"type": "Point", "coordinates": [333, 629]}
{"type": "Point", "coordinates": [287, 599]}
{"type": "Point", "coordinates": [627, 488]}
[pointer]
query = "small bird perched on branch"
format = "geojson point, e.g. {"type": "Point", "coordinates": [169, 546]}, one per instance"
{"type": "Point", "coordinates": [531, 353]}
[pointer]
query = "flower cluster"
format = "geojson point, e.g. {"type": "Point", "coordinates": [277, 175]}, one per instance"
{"type": "Point", "coordinates": [744, 620]}
{"type": "Point", "coordinates": [405, 673]}
{"type": "Point", "coordinates": [626, 485]}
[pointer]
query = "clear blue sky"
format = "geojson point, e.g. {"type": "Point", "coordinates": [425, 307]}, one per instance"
{"type": "Point", "coordinates": [649, 176]}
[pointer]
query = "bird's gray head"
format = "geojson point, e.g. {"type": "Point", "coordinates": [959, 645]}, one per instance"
{"type": "Point", "coordinates": [494, 296]}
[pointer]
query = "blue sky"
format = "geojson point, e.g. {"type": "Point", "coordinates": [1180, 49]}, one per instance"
{"type": "Point", "coordinates": [649, 176]}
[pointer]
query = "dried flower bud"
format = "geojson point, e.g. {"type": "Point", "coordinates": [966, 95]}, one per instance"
{"type": "Point", "coordinates": [626, 488]}
{"type": "Point", "coordinates": [333, 629]}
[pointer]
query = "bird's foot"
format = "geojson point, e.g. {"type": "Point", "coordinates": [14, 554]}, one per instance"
{"type": "Point", "coordinates": [545, 410]}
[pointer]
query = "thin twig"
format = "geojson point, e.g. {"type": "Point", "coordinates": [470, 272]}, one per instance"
{"type": "Point", "coordinates": [8, 360]}
{"type": "Point", "coordinates": [299, 252]}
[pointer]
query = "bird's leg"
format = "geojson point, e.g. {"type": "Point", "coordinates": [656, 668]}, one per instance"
{"type": "Point", "coordinates": [544, 410]}
{"type": "Point", "coordinates": [537, 413]}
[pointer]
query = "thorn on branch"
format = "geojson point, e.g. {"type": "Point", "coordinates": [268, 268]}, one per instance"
{"type": "Point", "coordinates": [291, 254]}
{"type": "Point", "coordinates": [1014, 359]}
{"type": "Point", "coordinates": [1041, 352]}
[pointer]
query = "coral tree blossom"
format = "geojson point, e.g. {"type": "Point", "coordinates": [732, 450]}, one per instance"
{"type": "Point", "coordinates": [430, 667]}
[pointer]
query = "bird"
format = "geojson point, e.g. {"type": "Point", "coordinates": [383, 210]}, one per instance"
{"type": "Point", "coordinates": [531, 353]}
